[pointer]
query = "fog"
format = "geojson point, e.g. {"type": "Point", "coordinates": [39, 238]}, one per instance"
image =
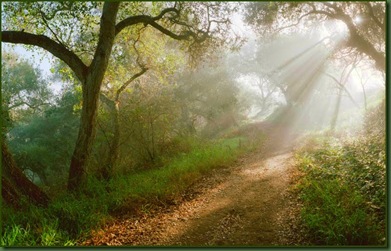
{"type": "Point", "coordinates": [304, 70]}
{"type": "Point", "coordinates": [301, 70]}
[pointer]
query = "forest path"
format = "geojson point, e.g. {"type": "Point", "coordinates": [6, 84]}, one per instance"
{"type": "Point", "coordinates": [248, 204]}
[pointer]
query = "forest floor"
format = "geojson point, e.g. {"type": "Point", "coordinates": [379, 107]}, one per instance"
{"type": "Point", "coordinates": [248, 204]}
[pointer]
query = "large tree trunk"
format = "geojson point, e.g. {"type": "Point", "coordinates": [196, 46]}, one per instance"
{"type": "Point", "coordinates": [91, 89]}
{"type": "Point", "coordinates": [9, 193]}
{"type": "Point", "coordinates": [15, 183]}
{"type": "Point", "coordinates": [77, 171]}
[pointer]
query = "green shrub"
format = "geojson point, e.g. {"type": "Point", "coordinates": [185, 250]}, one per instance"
{"type": "Point", "coordinates": [344, 192]}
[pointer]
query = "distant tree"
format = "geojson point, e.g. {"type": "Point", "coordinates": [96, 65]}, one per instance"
{"type": "Point", "coordinates": [147, 121]}
{"type": "Point", "coordinates": [340, 84]}
{"type": "Point", "coordinates": [210, 95]}
{"type": "Point", "coordinates": [22, 90]}
{"type": "Point", "coordinates": [83, 34]}
{"type": "Point", "coordinates": [42, 153]}
{"type": "Point", "coordinates": [250, 64]}
{"type": "Point", "coordinates": [22, 87]}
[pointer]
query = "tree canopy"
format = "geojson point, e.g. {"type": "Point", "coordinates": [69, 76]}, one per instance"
{"type": "Point", "coordinates": [365, 22]}
{"type": "Point", "coordinates": [83, 34]}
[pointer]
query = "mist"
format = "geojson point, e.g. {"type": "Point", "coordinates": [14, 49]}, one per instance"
{"type": "Point", "coordinates": [303, 79]}
{"type": "Point", "coordinates": [193, 123]}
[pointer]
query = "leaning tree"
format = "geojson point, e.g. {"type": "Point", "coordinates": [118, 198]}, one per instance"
{"type": "Point", "coordinates": [83, 35]}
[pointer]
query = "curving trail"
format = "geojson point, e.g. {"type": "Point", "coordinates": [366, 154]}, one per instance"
{"type": "Point", "coordinates": [247, 208]}
{"type": "Point", "coordinates": [245, 205]}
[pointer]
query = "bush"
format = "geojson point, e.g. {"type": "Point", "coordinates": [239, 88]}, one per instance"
{"type": "Point", "coordinates": [344, 192]}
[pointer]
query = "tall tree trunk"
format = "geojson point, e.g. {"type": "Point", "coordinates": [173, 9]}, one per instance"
{"type": "Point", "coordinates": [77, 171]}
{"type": "Point", "coordinates": [91, 89]}
{"type": "Point", "coordinates": [15, 183]}
{"type": "Point", "coordinates": [113, 105]}
{"type": "Point", "coordinates": [365, 96]}
{"type": "Point", "coordinates": [336, 111]}
{"type": "Point", "coordinates": [186, 121]}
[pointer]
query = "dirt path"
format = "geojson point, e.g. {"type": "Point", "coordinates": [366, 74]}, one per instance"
{"type": "Point", "coordinates": [246, 205]}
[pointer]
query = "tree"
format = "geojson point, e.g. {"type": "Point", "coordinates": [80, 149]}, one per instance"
{"type": "Point", "coordinates": [22, 86]}
{"type": "Point", "coordinates": [60, 27]}
{"type": "Point", "coordinates": [147, 121]}
{"type": "Point", "coordinates": [365, 22]}
{"type": "Point", "coordinates": [209, 95]}
{"type": "Point", "coordinates": [15, 183]}
{"type": "Point", "coordinates": [341, 87]}
{"type": "Point", "coordinates": [47, 154]}
{"type": "Point", "coordinates": [154, 59]}
{"type": "Point", "coordinates": [252, 66]}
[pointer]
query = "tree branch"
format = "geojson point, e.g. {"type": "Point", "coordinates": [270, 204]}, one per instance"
{"type": "Point", "coordinates": [59, 51]}
{"type": "Point", "coordinates": [25, 103]}
{"type": "Point", "coordinates": [110, 103]}
{"type": "Point", "coordinates": [48, 26]}
{"type": "Point", "coordinates": [342, 86]}
{"type": "Point", "coordinates": [361, 43]}
{"type": "Point", "coordinates": [304, 15]}
{"type": "Point", "coordinates": [148, 20]}
{"type": "Point", "coordinates": [375, 19]}
{"type": "Point", "coordinates": [122, 88]}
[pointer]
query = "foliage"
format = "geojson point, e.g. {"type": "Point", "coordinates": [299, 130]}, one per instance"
{"type": "Point", "coordinates": [365, 22]}
{"type": "Point", "coordinates": [375, 120]}
{"type": "Point", "coordinates": [208, 100]}
{"type": "Point", "coordinates": [83, 35]}
{"type": "Point", "coordinates": [22, 87]}
{"type": "Point", "coordinates": [47, 154]}
{"type": "Point", "coordinates": [344, 190]}
{"type": "Point", "coordinates": [71, 216]}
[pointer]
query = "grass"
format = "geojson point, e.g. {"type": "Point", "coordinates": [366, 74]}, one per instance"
{"type": "Point", "coordinates": [344, 192]}
{"type": "Point", "coordinates": [71, 217]}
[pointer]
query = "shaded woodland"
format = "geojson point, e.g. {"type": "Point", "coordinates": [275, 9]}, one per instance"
{"type": "Point", "coordinates": [112, 107]}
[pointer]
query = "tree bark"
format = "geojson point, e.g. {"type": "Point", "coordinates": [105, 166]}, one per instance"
{"type": "Point", "coordinates": [15, 182]}
{"type": "Point", "coordinates": [91, 89]}
{"type": "Point", "coordinates": [359, 42]}
{"type": "Point", "coordinates": [9, 194]}
{"type": "Point", "coordinates": [91, 77]}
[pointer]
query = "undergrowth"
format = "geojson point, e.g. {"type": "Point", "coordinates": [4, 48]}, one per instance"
{"type": "Point", "coordinates": [344, 191]}
{"type": "Point", "coordinates": [70, 217]}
